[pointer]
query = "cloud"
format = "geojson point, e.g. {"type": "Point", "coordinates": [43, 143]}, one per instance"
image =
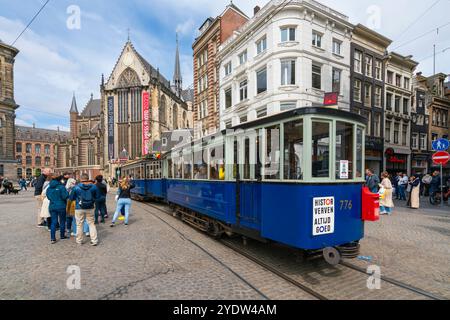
{"type": "Point", "coordinates": [186, 28]}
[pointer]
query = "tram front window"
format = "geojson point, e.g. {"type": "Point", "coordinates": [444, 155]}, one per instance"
{"type": "Point", "coordinates": [293, 150]}
{"type": "Point", "coordinates": [320, 149]}
{"type": "Point", "coordinates": [344, 151]}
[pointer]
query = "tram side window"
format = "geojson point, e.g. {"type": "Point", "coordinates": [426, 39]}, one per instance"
{"type": "Point", "coordinates": [170, 168]}
{"type": "Point", "coordinates": [200, 166]}
{"type": "Point", "coordinates": [246, 173]}
{"type": "Point", "coordinates": [178, 165]}
{"type": "Point", "coordinates": [216, 162]}
{"type": "Point", "coordinates": [236, 158]}
{"type": "Point", "coordinates": [320, 149]}
{"type": "Point", "coordinates": [272, 161]}
{"type": "Point", "coordinates": [344, 150]}
{"type": "Point", "coordinates": [187, 162]}
{"type": "Point", "coordinates": [147, 172]}
{"type": "Point", "coordinates": [359, 152]}
{"type": "Point", "coordinates": [293, 150]}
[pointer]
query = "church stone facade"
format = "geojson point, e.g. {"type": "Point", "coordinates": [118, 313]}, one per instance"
{"type": "Point", "coordinates": [138, 104]}
{"type": "Point", "coordinates": [8, 107]}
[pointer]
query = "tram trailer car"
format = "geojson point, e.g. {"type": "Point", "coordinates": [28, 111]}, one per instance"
{"type": "Point", "coordinates": [310, 196]}
{"type": "Point", "coordinates": [147, 177]}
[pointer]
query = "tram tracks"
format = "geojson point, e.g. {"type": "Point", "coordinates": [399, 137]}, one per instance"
{"type": "Point", "coordinates": [313, 292]}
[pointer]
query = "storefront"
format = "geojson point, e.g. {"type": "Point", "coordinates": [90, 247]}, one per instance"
{"type": "Point", "coordinates": [374, 154]}
{"type": "Point", "coordinates": [396, 161]}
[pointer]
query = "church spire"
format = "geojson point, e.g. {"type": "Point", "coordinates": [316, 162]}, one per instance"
{"type": "Point", "coordinates": [73, 108]}
{"type": "Point", "coordinates": [177, 79]}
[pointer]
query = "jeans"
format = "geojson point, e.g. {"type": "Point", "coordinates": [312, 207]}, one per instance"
{"type": "Point", "coordinates": [385, 210]}
{"type": "Point", "coordinates": [401, 192]}
{"type": "Point", "coordinates": [122, 203]}
{"type": "Point", "coordinates": [61, 214]}
{"type": "Point", "coordinates": [100, 209]}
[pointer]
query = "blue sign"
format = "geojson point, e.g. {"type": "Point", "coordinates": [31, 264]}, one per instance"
{"type": "Point", "coordinates": [441, 145]}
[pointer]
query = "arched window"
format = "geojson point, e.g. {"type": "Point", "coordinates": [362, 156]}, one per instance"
{"type": "Point", "coordinates": [19, 147]}
{"type": "Point", "coordinates": [91, 155]}
{"type": "Point", "coordinates": [19, 173]}
{"type": "Point", "coordinates": [29, 173]}
{"type": "Point", "coordinates": [175, 117]}
{"type": "Point", "coordinates": [162, 113]}
{"type": "Point", "coordinates": [28, 147]}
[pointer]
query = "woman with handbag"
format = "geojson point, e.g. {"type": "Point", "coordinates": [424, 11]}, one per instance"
{"type": "Point", "coordinates": [45, 211]}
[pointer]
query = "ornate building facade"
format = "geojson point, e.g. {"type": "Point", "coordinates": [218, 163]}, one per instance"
{"type": "Point", "coordinates": [36, 149]}
{"type": "Point", "coordinates": [138, 103]}
{"type": "Point", "coordinates": [8, 107]}
{"type": "Point", "coordinates": [83, 151]}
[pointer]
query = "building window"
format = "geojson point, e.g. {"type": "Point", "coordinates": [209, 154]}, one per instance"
{"type": "Point", "coordinates": [261, 77]}
{"type": "Point", "coordinates": [397, 104]}
{"type": "Point", "coordinates": [47, 161]}
{"type": "Point", "coordinates": [228, 68]}
{"type": "Point", "coordinates": [389, 101]}
{"type": "Point", "coordinates": [37, 149]}
{"type": "Point", "coordinates": [378, 69]}
{"type": "Point", "coordinates": [243, 90]}
{"type": "Point", "coordinates": [398, 80]}
{"type": "Point", "coordinates": [38, 161]}
{"type": "Point", "coordinates": [243, 119]}
{"type": "Point", "coordinates": [287, 34]}
{"type": "Point", "coordinates": [29, 161]}
{"type": "Point", "coordinates": [288, 105]}
{"type": "Point", "coordinates": [19, 160]}
{"type": "Point", "coordinates": [390, 77]}
{"type": "Point", "coordinates": [423, 142]}
{"type": "Point", "coordinates": [377, 125]}
{"type": "Point", "coordinates": [261, 112]}
{"type": "Point", "coordinates": [367, 95]}
{"type": "Point", "coordinates": [357, 91]}
{"type": "Point", "coordinates": [337, 47]}
{"type": "Point", "coordinates": [2, 170]}
{"type": "Point", "coordinates": [405, 106]}
{"type": "Point", "coordinates": [28, 147]}
{"type": "Point", "coordinates": [388, 131]}
{"type": "Point", "coordinates": [368, 65]}
{"type": "Point", "coordinates": [91, 155]}
{"type": "Point", "coordinates": [406, 83]}
{"type": "Point", "coordinates": [228, 98]}
{"type": "Point", "coordinates": [204, 109]}
{"type": "Point", "coordinates": [378, 91]}
{"type": "Point", "coordinates": [261, 45]}
{"type": "Point", "coordinates": [316, 76]}
{"type": "Point", "coordinates": [404, 134]}
{"type": "Point", "coordinates": [19, 147]}
{"type": "Point", "coordinates": [47, 149]}
{"type": "Point", "coordinates": [228, 124]}
{"type": "Point", "coordinates": [243, 57]}
{"type": "Point", "coordinates": [396, 133]}
{"type": "Point", "coordinates": [357, 62]}
{"type": "Point", "coordinates": [287, 72]}
{"type": "Point", "coordinates": [415, 141]}
{"type": "Point", "coordinates": [317, 39]}
{"type": "Point", "coordinates": [336, 78]}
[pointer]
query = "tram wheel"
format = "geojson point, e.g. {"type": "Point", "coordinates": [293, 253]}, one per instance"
{"type": "Point", "coordinates": [332, 256]}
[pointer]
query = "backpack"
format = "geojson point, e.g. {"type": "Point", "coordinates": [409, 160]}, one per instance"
{"type": "Point", "coordinates": [86, 199]}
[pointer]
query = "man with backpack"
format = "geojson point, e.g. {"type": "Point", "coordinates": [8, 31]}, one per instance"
{"type": "Point", "coordinates": [85, 195]}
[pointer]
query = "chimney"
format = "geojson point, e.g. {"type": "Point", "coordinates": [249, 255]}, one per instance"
{"type": "Point", "coordinates": [256, 10]}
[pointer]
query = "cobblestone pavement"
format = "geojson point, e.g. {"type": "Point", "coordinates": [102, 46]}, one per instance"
{"type": "Point", "coordinates": [146, 260]}
{"type": "Point", "coordinates": [150, 260]}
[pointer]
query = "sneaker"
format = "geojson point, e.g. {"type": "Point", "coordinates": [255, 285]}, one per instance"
{"type": "Point", "coordinates": [112, 225]}
{"type": "Point", "coordinates": [53, 241]}
{"type": "Point", "coordinates": [73, 234]}
{"type": "Point", "coordinates": [65, 238]}
{"type": "Point", "coordinates": [41, 225]}
{"type": "Point", "coordinates": [94, 244]}
{"type": "Point", "coordinates": [87, 234]}
{"type": "Point", "coordinates": [126, 224]}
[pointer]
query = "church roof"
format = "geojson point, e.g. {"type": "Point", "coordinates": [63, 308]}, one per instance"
{"type": "Point", "coordinates": [177, 72]}
{"type": "Point", "coordinates": [73, 107]}
{"type": "Point", "coordinates": [188, 95]}
{"type": "Point", "coordinates": [93, 108]}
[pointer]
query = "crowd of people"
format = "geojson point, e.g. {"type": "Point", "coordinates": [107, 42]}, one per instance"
{"type": "Point", "coordinates": [403, 188]}
{"type": "Point", "coordinates": [76, 208]}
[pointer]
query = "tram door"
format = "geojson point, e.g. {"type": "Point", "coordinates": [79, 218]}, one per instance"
{"type": "Point", "coordinates": [249, 187]}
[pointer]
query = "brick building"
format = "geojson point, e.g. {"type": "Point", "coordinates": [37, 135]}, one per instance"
{"type": "Point", "coordinates": [8, 107]}
{"type": "Point", "coordinates": [36, 149]}
{"type": "Point", "coordinates": [213, 33]}
{"type": "Point", "coordinates": [83, 151]}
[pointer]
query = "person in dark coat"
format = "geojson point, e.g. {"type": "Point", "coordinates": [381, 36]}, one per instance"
{"type": "Point", "coordinates": [372, 181]}
{"type": "Point", "coordinates": [100, 203]}
{"type": "Point", "coordinates": [435, 186]}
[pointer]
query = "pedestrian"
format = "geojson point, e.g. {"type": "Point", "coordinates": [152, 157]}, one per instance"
{"type": "Point", "coordinates": [85, 194]}
{"type": "Point", "coordinates": [45, 208]}
{"type": "Point", "coordinates": [386, 203]}
{"type": "Point", "coordinates": [57, 195]}
{"type": "Point", "coordinates": [23, 184]}
{"type": "Point", "coordinates": [435, 186]}
{"type": "Point", "coordinates": [414, 199]}
{"type": "Point", "coordinates": [70, 209]}
{"type": "Point", "coordinates": [38, 188]}
{"type": "Point", "coordinates": [124, 200]}
{"type": "Point", "coordinates": [408, 191]}
{"type": "Point", "coordinates": [100, 203]}
{"type": "Point", "coordinates": [402, 184]}
{"type": "Point", "coordinates": [372, 181]}
{"type": "Point", "coordinates": [426, 181]}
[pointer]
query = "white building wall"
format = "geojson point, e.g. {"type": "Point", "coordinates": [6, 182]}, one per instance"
{"type": "Point", "coordinates": [301, 50]}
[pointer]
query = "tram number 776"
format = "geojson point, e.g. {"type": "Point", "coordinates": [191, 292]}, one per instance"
{"type": "Point", "coordinates": [346, 205]}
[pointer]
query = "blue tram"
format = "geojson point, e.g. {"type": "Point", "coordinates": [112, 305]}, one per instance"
{"type": "Point", "coordinates": [294, 178]}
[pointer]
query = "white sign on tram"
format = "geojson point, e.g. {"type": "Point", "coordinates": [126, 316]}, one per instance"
{"type": "Point", "coordinates": [323, 216]}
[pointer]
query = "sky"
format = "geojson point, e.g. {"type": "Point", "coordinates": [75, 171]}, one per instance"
{"type": "Point", "coordinates": [59, 57]}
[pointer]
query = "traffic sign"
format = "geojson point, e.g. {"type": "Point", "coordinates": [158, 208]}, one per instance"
{"type": "Point", "coordinates": [441, 157]}
{"type": "Point", "coordinates": [441, 145]}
